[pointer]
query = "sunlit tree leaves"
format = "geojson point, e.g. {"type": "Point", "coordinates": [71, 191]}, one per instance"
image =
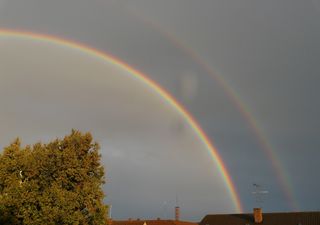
{"type": "Point", "coordinates": [55, 183]}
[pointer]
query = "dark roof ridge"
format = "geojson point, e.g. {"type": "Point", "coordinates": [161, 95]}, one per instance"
{"type": "Point", "coordinates": [146, 220]}
{"type": "Point", "coordinates": [249, 213]}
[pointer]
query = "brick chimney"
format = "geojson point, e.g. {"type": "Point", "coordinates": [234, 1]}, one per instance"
{"type": "Point", "coordinates": [257, 214]}
{"type": "Point", "coordinates": [177, 213]}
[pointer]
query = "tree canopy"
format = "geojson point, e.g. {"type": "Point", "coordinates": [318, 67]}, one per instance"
{"type": "Point", "coordinates": [55, 183]}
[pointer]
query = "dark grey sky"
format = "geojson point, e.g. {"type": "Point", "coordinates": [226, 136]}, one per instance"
{"type": "Point", "coordinates": [267, 51]}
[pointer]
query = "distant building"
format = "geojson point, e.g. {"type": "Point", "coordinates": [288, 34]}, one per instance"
{"type": "Point", "coordinates": [151, 222]}
{"type": "Point", "coordinates": [158, 221]}
{"type": "Point", "coordinates": [257, 217]}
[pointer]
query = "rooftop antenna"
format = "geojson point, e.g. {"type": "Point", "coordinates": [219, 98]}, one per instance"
{"type": "Point", "coordinates": [177, 210]}
{"type": "Point", "coordinates": [259, 193]}
{"type": "Point", "coordinates": [177, 202]}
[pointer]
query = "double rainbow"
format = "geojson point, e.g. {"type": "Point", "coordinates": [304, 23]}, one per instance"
{"type": "Point", "coordinates": [212, 150]}
{"type": "Point", "coordinates": [265, 144]}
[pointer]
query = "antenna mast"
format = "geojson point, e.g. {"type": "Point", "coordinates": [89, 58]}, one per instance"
{"type": "Point", "coordinates": [259, 193]}
{"type": "Point", "coordinates": [177, 209]}
{"type": "Point", "coordinates": [177, 202]}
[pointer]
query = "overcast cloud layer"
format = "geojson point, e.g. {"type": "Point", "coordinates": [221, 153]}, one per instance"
{"type": "Point", "coordinates": [268, 52]}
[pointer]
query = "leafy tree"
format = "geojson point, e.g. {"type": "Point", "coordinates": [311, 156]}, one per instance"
{"type": "Point", "coordinates": [55, 183]}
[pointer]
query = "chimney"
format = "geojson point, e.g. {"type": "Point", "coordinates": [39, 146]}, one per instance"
{"type": "Point", "coordinates": [257, 214]}
{"type": "Point", "coordinates": [177, 213]}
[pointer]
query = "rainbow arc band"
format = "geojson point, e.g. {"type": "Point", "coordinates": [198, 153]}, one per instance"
{"type": "Point", "coordinates": [281, 175]}
{"type": "Point", "coordinates": [212, 150]}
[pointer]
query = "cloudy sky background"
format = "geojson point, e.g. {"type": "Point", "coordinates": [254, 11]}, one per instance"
{"type": "Point", "coordinates": [267, 51]}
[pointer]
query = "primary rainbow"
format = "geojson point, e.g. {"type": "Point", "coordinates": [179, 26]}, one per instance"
{"type": "Point", "coordinates": [151, 84]}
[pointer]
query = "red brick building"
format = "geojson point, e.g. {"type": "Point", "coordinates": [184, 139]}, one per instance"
{"type": "Point", "coordinates": [151, 222]}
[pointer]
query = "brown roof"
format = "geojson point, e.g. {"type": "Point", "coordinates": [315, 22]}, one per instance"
{"type": "Point", "coordinates": [151, 222]}
{"type": "Point", "coordinates": [294, 218]}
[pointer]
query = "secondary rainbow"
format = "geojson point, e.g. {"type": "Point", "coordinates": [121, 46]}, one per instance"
{"type": "Point", "coordinates": [151, 84]}
{"type": "Point", "coordinates": [280, 173]}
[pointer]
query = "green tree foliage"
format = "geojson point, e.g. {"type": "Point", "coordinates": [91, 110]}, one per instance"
{"type": "Point", "coordinates": [55, 183]}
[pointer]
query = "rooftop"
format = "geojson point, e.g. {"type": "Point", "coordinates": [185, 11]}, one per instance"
{"type": "Point", "coordinates": [287, 218]}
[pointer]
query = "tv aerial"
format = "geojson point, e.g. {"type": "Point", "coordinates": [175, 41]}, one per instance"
{"type": "Point", "coordinates": [259, 193]}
